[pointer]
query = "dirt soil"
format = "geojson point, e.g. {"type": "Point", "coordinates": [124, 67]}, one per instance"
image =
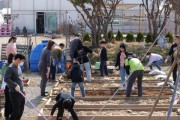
{"type": "Point", "coordinates": [118, 113]}
{"type": "Point", "coordinates": [121, 102]}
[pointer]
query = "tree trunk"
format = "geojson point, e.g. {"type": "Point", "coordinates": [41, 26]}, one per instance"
{"type": "Point", "coordinates": [105, 32]}
{"type": "Point", "coordinates": [93, 39]}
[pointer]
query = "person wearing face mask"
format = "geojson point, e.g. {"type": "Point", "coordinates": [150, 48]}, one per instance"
{"type": "Point", "coordinates": [13, 78]}
{"type": "Point", "coordinates": [11, 47]}
{"type": "Point", "coordinates": [44, 66]}
{"type": "Point", "coordinates": [5, 88]}
{"type": "Point", "coordinates": [155, 59]}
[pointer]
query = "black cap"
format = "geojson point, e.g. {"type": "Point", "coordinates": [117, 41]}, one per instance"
{"type": "Point", "coordinates": [122, 45]}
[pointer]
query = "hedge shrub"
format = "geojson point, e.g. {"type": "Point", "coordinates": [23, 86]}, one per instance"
{"type": "Point", "coordinates": [119, 36]}
{"type": "Point", "coordinates": [170, 36]}
{"type": "Point", "coordinates": [148, 38]}
{"type": "Point", "coordinates": [110, 35]}
{"type": "Point", "coordinates": [130, 37]}
{"type": "Point", "coordinates": [140, 37]}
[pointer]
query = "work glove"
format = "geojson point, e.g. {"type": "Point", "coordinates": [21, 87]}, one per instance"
{"type": "Point", "coordinates": [17, 88]}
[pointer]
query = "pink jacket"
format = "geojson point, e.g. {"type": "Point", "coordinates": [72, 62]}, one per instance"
{"type": "Point", "coordinates": [11, 48]}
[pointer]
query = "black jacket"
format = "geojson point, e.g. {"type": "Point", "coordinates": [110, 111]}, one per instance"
{"type": "Point", "coordinates": [172, 50]}
{"type": "Point", "coordinates": [103, 55]}
{"type": "Point", "coordinates": [59, 101]}
{"type": "Point", "coordinates": [77, 74]}
{"type": "Point", "coordinates": [117, 64]}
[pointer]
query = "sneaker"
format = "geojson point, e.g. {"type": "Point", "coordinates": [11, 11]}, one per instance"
{"type": "Point", "coordinates": [123, 88]}
{"type": "Point", "coordinates": [44, 94]}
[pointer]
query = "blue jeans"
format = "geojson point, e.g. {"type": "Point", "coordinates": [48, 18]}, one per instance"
{"type": "Point", "coordinates": [103, 68]}
{"type": "Point", "coordinates": [88, 70]}
{"type": "Point", "coordinates": [81, 85]}
{"type": "Point", "coordinates": [122, 73]}
{"type": "Point", "coordinates": [157, 64]}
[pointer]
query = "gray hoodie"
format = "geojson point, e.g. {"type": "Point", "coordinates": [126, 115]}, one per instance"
{"type": "Point", "coordinates": [13, 76]}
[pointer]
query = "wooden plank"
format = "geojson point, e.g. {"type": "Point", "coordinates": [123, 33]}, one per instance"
{"type": "Point", "coordinates": [121, 106]}
{"type": "Point", "coordinates": [114, 117]}
{"type": "Point", "coordinates": [167, 92]}
{"type": "Point", "coordinates": [1, 112]}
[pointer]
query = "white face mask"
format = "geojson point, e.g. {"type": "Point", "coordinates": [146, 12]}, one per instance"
{"type": "Point", "coordinates": [21, 64]}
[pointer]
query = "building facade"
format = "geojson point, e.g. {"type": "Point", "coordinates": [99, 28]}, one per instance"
{"type": "Point", "coordinates": [41, 16]}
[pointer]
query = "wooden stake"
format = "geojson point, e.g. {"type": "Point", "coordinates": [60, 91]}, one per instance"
{"type": "Point", "coordinates": [165, 82]}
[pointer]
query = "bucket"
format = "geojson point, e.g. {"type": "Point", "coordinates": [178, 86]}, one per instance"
{"type": "Point", "coordinates": [97, 65]}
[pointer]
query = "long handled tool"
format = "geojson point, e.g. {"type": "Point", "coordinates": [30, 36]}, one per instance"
{"type": "Point", "coordinates": [165, 82]}
{"type": "Point", "coordinates": [33, 105]}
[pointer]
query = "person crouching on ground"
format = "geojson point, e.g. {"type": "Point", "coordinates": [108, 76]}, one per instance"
{"type": "Point", "coordinates": [136, 68]}
{"type": "Point", "coordinates": [103, 58]}
{"type": "Point", "coordinates": [77, 78]}
{"type": "Point", "coordinates": [155, 59]}
{"type": "Point", "coordinates": [64, 101]}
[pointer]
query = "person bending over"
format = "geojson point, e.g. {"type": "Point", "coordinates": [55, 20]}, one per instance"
{"type": "Point", "coordinates": [64, 101]}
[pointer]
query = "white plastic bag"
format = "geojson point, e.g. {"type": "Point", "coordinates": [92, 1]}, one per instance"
{"type": "Point", "coordinates": [157, 72]}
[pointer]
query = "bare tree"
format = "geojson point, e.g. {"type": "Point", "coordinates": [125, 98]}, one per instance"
{"type": "Point", "coordinates": [97, 15]}
{"type": "Point", "coordinates": [158, 12]}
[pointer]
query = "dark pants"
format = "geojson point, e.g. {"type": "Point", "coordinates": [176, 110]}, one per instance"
{"type": "Point", "coordinates": [8, 105]}
{"type": "Point", "coordinates": [72, 63]}
{"type": "Point", "coordinates": [175, 73]}
{"type": "Point", "coordinates": [44, 80]}
{"type": "Point", "coordinates": [18, 102]}
{"type": "Point", "coordinates": [61, 112]}
{"type": "Point", "coordinates": [103, 68]}
{"type": "Point", "coordinates": [139, 75]}
{"type": "Point", "coordinates": [53, 72]}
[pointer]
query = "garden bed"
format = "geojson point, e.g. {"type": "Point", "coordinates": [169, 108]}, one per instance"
{"type": "Point", "coordinates": [122, 103]}
{"type": "Point", "coordinates": [109, 92]}
{"type": "Point", "coordinates": [116, 114]}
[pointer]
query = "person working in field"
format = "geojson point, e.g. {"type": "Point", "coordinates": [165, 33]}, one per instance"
{"type": "Point", "coordinates": [103, 58]}
{"type": "Point", "coordinates": [44, 66]}
{"type": "Point", "coordinates": [120, 63]}
{"type": "Point", "coordinates": [13, 78]}
{"type": "Point", "coordinates": [64, 101]}
{"type": "Point", "coordinates": [176, 42]}
{"type": "Point", "coordinates": [56, 55]}
{"type": "Point", "coordinates": [134, 66]}
{"type": "Point", "coordinates": [77, 78]}
{"type": "Point", "coordinates": [155, 59]}
{"type": "Point", "coordinates": [5, 88]}
{"type": "Point", "coordinates": [80, 54]}
{"type": "Point", "coordinates": [11, 46]}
